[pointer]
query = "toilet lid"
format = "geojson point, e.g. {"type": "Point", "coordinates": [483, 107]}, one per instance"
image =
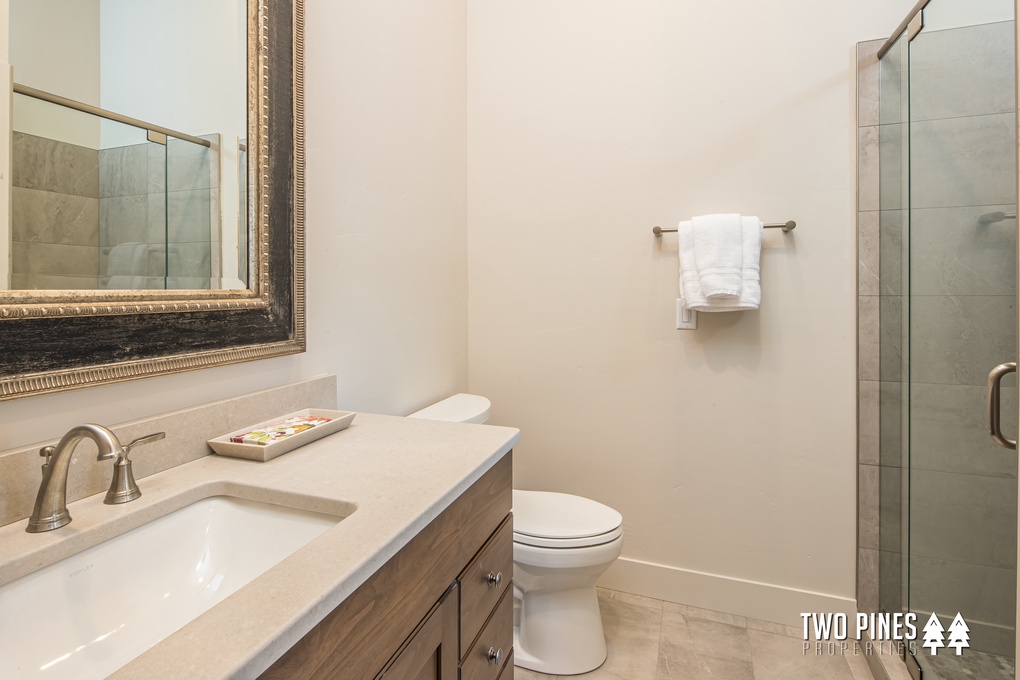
{"type": "Point", "coordinates": [551, 519]}
{"type": "Point", "coordinates": [460, 408]}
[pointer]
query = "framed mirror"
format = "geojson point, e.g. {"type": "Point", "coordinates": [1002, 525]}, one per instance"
{"type": "Point", "coordinates": [163, 300]}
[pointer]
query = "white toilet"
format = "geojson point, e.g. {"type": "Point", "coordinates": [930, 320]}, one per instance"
{"type": "Point", "coordinates": [562, 544]}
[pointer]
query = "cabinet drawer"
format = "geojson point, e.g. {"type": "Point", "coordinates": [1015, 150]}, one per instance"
{"type": "Point", "coordinates": [497, 636]}
{"type": "Point", "coordinates": [478, 590]}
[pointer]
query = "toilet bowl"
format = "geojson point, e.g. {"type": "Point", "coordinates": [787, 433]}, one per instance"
{"type": "Point", "coordinates": [562, 544]}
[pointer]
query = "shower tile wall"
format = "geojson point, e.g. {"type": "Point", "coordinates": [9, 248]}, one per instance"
{"type": "Point", "coordinates": [156, 215]}
{"type": "Point", "coordinates": [54, 214]}
{"type": "Point", "coordinates": [962, 318]}
{"type": "Point", "coordinates": [868, 345]}
{"type": "Point", "coordinates": [87, 219]}
{"type": "Point", "coordinates": [131, 232]}
{"type": "Point", "coordinates": [193, 211]}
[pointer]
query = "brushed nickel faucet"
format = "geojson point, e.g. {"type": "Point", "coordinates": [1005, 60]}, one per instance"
{"type": "Point", "coordinates": [51, 502]}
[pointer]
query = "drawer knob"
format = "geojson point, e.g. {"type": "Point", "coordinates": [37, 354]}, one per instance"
{"type": "Point", "coordinates": [495, 580]}
{"type": "Point", "coordinates": [495, 656]}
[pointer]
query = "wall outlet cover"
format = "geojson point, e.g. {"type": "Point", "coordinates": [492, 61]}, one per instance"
{"type": "Point", "coordinates": [686, 319]}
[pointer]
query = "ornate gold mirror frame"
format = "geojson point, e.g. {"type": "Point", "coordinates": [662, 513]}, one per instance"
{"type": "Point", "coordinates": [58, 340]}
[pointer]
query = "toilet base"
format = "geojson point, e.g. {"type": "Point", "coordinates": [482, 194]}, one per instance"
{"type": "Point", "coordinates": [558, 632]}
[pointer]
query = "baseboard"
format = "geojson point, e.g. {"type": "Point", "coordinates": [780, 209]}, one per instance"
{"type": "Point", "coordinates": [764, 601]}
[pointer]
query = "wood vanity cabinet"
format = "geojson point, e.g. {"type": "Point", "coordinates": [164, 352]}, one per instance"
{"type": "Point", "coordinates": [431, 651]}
{"type": "Point", "coordinates": [440, 609]}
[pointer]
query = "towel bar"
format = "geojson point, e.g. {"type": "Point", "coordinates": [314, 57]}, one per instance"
{"type": "Point", "coordinates": [785, 226]}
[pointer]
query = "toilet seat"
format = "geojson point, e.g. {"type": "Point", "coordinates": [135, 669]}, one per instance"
{"type": "Point", "coordinates": [582, 542]}
{"type": "Point", "coordinates": [547, 519]}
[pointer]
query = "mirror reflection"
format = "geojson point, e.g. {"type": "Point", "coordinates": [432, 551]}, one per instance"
{"type": "Point", "coordinates": [129, 165]}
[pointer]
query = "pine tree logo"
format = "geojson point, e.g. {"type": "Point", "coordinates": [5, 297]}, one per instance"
{"type": "Point", "coordinates": [933, 634]}
{"type": "Point", "coordinates": [958, 634]}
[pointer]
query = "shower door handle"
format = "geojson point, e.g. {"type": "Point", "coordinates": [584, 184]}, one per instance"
{"type": "Point", "coordinates": [994, 403]}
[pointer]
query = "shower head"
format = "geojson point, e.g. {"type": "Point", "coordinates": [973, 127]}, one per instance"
{"type": "Point", "coordinates": [993, 217]}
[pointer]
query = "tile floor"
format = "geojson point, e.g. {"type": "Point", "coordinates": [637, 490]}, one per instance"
{"type": "Point", "coordinates": [655, 640]}
{"type": "Point", "coordinates": [972, 665]}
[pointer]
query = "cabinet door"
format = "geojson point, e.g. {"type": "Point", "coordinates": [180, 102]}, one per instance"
{"type": "Point", "coordinates": [431, 652]}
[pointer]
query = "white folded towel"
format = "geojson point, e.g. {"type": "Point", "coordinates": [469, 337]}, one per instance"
{"type": "Point", "coordinates": [717, 243]}
{"type": "Point", "coordinates": [749, 294]}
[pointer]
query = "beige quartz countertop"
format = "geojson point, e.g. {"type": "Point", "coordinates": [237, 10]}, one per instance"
{"type": "Point", "coordinates": [389, 476]}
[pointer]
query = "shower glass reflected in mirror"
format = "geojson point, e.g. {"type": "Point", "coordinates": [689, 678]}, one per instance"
{"type": "Point", "coordinates": [112, 212]}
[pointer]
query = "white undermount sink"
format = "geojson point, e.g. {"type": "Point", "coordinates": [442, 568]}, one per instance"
{"type": "Point", "coordinates": [91, 613]}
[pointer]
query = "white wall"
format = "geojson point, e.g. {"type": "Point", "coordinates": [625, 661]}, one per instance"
{"type": "Point", "coordinates": [942, 15]}
{"type": "Point", "coordinates": [54, 47]}
{"type": "Point", "coordinates": [730, 450]}
{"type": "Point", "coordinates": [386, 233]}
{"type": "Point", "coordinates": [174, 68]}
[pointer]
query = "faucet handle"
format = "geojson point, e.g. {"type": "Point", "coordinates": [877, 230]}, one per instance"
{"type": "Point", "coordinates": [47, 452]}
{"type": "Point", "coordinates": [122, 454]}
{"type": "Point", "coordinates": [123, 488]}
{"type": "Point", "coordinates": [141, 441]}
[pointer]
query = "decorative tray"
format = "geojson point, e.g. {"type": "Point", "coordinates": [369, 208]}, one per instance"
{"type": "Point", "coordinates": [225, 446]}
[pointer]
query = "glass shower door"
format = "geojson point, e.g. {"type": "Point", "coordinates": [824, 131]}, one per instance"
{"type": "Point", "coordinates": [948, 316]}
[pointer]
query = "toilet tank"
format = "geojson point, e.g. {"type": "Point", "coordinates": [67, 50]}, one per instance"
{"type": "Point", "coordinates": [460, 408]}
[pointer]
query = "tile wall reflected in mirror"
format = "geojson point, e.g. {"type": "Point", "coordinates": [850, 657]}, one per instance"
{"type": "Point", "coordinates": [139, 215]}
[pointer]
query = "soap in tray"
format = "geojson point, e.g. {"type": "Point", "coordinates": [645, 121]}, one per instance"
{"type": "Point", "coordinates": [274, 433]}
